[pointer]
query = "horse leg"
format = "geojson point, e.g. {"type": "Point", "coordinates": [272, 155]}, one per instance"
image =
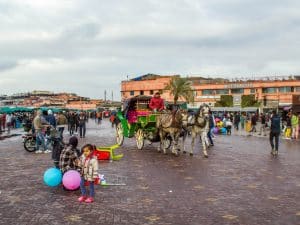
{"type": "Point", "coordinates": [176, 140]}
{"type": "Point", "coordinates": [175, 143]}
{"type": "Point", "coordinates": [160, 143]}
{"type": "Point", "coordinates": [203, 136]}
{"type": "Point", "coordinates": [183, 140]}
{"type": "Point", "coordinates": [162, 137]}
{"type": "Point", "coordinates": [194, 134]}
{"type": "Point", "coordinates": [206, 138]}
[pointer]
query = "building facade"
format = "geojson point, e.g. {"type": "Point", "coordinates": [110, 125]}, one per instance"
{"type": "Point", "coordinates": [271, 92]}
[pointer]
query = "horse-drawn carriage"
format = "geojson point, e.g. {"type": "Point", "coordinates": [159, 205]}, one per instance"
{"type": "Point", "coordinates": [137, 120]}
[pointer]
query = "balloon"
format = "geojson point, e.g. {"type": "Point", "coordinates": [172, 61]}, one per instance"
{"type": "Point", "coordinates": [71, 180]}
{"type": "Point", "coordinates": [223, 130]}
{"type": "Point", "coordinates": [52, 177]}
{"type": "Point", "coordinates": [215, 130]}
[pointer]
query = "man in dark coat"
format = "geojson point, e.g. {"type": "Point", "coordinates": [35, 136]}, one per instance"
{"type": "Point", "coordinates": [274, 133]}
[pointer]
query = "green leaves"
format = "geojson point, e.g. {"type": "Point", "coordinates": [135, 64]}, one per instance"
{"type": "Point", "coordinates": [249, 101]}
{"type": "Point", "coordinates": [180, 88]}
{"type": "Point", "coordinates": [225, 101]}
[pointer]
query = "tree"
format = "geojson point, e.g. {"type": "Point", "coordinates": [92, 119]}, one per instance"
{"type": "Point", "coordinates": [249, 101]}
{"type": "Point", "coordinates": [180, 87]}
{"type": "Point", "coordinates": [225, 101]}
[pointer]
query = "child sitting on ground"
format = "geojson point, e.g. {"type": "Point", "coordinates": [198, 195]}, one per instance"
{"type": "Point", "coordinates": [89, 173]}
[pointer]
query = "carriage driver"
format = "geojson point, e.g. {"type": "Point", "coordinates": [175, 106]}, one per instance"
{"type": "Point", "coordinates": [157, 103]}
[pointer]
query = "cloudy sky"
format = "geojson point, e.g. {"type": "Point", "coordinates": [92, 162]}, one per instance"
{"type": "Point", "coordinates": [88, 46]}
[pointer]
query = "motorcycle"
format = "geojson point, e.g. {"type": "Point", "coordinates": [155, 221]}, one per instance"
{"type": "Point", "coordinates": [52, 138]}
{"type": "Point", "coordinates": [29, 140]}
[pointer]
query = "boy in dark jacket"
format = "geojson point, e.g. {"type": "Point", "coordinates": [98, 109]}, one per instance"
{"type": "Point", "coordinates": [274, 133]}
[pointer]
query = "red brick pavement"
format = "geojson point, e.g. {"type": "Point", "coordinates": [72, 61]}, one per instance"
{"type": "Point", "coordinates": [240, 183]}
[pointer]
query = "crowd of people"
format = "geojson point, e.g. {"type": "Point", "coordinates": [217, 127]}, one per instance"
{"type": "Point", "coordinates": [13, 120]}
{"type": "Point", "coordinates": [287, 125]}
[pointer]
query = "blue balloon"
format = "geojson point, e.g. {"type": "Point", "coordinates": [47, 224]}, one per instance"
{"type": "Point", "coordinates": [223, 130]}
{"type": "Point", "coordinates": [52, 177]}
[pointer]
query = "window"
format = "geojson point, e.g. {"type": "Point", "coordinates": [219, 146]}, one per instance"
{"type": "Point", "coordinates": [285, 89]}
{"type": "Point", "coordinates": [252, 90]}
{"type": "Point", "coordinates": [222, 91]}
{"type": "Point", "coordinates": [269, 90]}
{"type": "Point", "coordinates": [207, 92]}
{"type": "Point", "coordinates": [141, 92]}
{"type": "Point", "coordinates": [297, 89]}
{"type": "Point", "coordinates": [151, 92]}
{"type": "Point", "coordinates": [131, 93]}
{"type": "Point", "coordinates": [237, 91]}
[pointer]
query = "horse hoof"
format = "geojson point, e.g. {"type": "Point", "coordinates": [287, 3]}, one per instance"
{"type": "Point", "coordinates": [184, 152]}
{"type": "Point", "coordinates": [206, 156]}
{"type": "Point", "coordinates": [191, 154]}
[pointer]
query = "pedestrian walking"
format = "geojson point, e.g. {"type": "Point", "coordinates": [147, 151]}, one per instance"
{"type": "Point", "coordinates": [76, 122]}
{"type": "Point", "coordinates": [39, 124]}
{"type": "Point", "coordinates": [99, 117]}
{"type": "Point", "coordinates": [262, 130]}
{"type": "Point", "coordinates": [61, 123]}
{"type": "Point", "coordinates": [237, 119]}
{"type": "Point", "coordinates": [1, 123]}
{"type": "Point", "coordinates": [89, 173]}
{"type": "Point", "coordinates": [295, 125]}
{"type": "Point", "coordinates": [72, 122]}
{"type": "Point", "coordinates": [275, 133]}
{"type": "Point", "coordinates": [243, 119]}
{"type": "Point", "coordinates": [8, 120]}
{"type": "Point", "coordinates": [51, 118]}
{"type": "Point", "coordinates": [82, 124]}
{"type": "Point", "coordinates": [253, 123]}
{"type": "Point", "coordinates": [288, 130]}
{"type": "Point", "coordinates": [211, 126]}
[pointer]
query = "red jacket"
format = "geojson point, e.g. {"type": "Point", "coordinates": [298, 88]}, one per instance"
{"type": "Point", "coordinates": [157, 103]}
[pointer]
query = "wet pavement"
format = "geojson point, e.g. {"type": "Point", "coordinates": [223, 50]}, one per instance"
{"type": "Point", "coordinates": [240, 183]}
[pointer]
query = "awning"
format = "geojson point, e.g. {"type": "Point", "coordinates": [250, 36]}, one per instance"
{"type": "Point", "coordinates": [286, 108]}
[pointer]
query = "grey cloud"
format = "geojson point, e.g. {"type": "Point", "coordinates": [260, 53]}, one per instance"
{"type": "Point", "coordinates": [85, 31]}
{"type": "Point", "coordinates": [99, 44]}
{"type": "Point", "coordinates": [7, 65]}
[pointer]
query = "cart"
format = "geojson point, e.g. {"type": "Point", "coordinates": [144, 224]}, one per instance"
{"type": "Point", "coordinates": [137, 120]}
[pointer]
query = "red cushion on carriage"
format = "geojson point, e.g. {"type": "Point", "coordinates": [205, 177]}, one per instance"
{"type": "Point", "coordinates": [143, 112]}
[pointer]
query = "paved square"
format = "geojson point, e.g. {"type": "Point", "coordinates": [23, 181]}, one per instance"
{"type": "Point", "coordinates": [240, 183]}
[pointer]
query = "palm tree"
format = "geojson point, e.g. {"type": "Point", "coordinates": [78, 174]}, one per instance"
{"type": "Point", "coordinates": [180, 87]}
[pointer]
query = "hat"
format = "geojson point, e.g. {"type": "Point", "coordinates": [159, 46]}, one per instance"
{"type": "Point", "coordinates": [73, 141]}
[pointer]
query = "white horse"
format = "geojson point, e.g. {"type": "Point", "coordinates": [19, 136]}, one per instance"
{"type": "Point", "coordinates": [200, 125]}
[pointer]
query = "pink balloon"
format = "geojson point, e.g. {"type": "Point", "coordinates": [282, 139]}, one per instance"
{"type": "Point", "coordinates": [71, 180]}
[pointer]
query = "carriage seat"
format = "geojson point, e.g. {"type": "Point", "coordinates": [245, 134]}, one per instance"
{"type": "Point", "coordinates": [132, 116]}
{"type": "Point", "coordinates": [143, 112]}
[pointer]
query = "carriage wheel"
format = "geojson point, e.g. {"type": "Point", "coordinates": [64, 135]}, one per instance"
{"type": "Point", "coordinates": [167, 143]}
{"type": "Point", "coordinates": [139, 136]}
{"type": "Point", "coordinates": [119, 134]}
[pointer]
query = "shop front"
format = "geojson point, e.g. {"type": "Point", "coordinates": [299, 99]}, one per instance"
{"type": "Point", "coordinates": [296, 103]}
